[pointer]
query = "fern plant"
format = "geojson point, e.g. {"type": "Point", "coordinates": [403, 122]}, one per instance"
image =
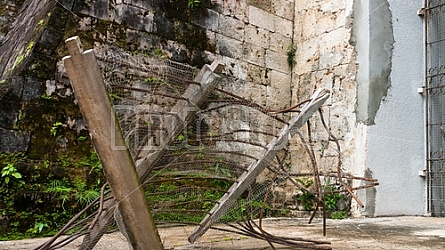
{"type": "Point", "coordinates": [83, 195]}
{"type": "Point", "coordinates": [61, 189]}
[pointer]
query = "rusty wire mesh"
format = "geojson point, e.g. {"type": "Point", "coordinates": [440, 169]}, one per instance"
{"type": "Point", "coordinates": [227, 134]}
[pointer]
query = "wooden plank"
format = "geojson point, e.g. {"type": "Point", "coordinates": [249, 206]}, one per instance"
{"type": "Point", "coordinates": [95, 105]}
{"type": "Point", "coordinates": [185, 110]}
{"type": "Point", "coordinates": [248, 177]}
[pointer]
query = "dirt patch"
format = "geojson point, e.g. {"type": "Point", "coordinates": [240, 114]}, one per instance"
{"type": "Point", "coordinates": [420, 233]}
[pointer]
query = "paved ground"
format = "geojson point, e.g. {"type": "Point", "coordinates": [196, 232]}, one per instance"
{"type": "Point", "coordinates": [419, 233]}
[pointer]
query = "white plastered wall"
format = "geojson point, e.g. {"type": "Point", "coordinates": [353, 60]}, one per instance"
{"type": "Point", "coordinates": [394, 150]}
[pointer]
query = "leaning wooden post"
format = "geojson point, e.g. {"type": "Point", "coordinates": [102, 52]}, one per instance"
{"type": "Point", "coordinates": [185, 110]}
{"type": "Point", "coordinates": [248, 177]}
{"type": "Point", "coordinates": [86, 79]}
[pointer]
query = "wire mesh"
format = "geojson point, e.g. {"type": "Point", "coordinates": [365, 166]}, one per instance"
{"type": "Point", "coordinates": [193, 168]}
{"type": "Point", "coordinates": [435, 45]}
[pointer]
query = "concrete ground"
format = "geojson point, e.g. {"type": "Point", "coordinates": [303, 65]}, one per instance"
{"type": "Point", "coordinates": [419, 233]}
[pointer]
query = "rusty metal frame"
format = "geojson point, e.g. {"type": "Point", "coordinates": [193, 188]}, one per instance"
{"type": "Point", "coordinates": [434, 14]}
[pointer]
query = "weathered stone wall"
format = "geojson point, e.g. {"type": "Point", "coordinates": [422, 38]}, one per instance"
{"type": "Point", "coordinates": [28, 66]}
{"type": "Point", "coordinates": [326, 59]}
{"type": "Point", "coordinates": [370, 55]}
{"type": "Point", "coordinates": [250, 37]}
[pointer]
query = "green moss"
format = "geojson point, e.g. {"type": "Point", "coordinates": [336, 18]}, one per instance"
{"type": "Point", "coordinates": [291, 50]}
{"type": "Point", "coordinates": [29, 47]}
{"type": "Point", "coordinates": [41, 115]}
{"type": "Point", "coordinates": [184, 10]}
{"type": "Point", "coordinates": [192, 36]}
{"type": "Point", "coordinates": [17, 61]}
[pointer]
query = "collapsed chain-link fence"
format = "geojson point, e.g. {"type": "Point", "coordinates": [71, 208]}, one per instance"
{"type": "Point", "coordinates": [186, 172]}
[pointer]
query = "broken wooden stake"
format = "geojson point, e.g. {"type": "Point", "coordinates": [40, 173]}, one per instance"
{"type": "Point", "coordinates": [248, 177]}
{"type": "Point", "coordinates": [185, 110]}
{"type": "Point", "coordinates": [86, 79]}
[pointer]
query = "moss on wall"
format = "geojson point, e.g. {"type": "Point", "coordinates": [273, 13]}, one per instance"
{"type": "Point", "coordinates": [181, 9]}
{"type": "Point", "coordinates": [60, 155]}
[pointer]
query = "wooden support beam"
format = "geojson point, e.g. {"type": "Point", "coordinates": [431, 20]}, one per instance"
{"type": "Point", "coordinates": [185, 110]}
{"type": "Point", "coordinates": [248, 177]}
{"type": "Point", "coordinates": [86, 79]}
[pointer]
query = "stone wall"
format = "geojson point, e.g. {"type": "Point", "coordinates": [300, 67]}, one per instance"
{"type": "Point", "coordinates": [326, 59]}
{"type": "Point", "coordinates": [8, 12]}
{"type": "Point", "coordinates": [337, 47]}
{"type": "Point", "coordinates": [370, 55]}
{"type": "Point", "coordinates": [250, 38]}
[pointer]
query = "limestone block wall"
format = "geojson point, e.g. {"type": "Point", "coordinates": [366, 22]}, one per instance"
{"type": "Point", "coordinates": [370, 55]}
{"type": "Point", "coordinates": [326, 59]}
{"type": "Point", "coordinates": [252, 38]}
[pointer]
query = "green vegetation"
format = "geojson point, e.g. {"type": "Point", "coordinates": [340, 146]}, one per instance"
{"type": "Point", "coordinates": [29, 48]}
{"type": "Point", "coordinates": [21, 57]}
{"type": "Point", "coordinates": [158, 54]}
{"type": "Point", "coordinates": [82, 138]}
{"type": "Point", "coordinates": [306, 199]}
{"type": "Point", "coordinates": [339, 215]}
{"type": "Point", "coordinates": [46, 96]}
{"type": "Point", "coordinates": [53, 129]}
{"type": "Point", "coordinates": [10, 172]}
{"type": "Point", "coordinates": [291, 51]}
{"type": "Point", "coordinates": [186, 199]}
{"type": "Point", "coordinates": [38, 197]}
{"type": "Point", "coordinates": [60, 189]}
{"type": "Point", "coordinates": [331, 199]}
{"type": "Point", "coordinates": [245, 209]}
{"type": "Point", "coordinates": [192, 4]}
{"type": "Point", "coordinates": [17, 61]}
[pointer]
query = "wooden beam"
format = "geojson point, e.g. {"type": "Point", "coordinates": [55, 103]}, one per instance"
{"type": "Point", "coordinates": [86, 79]}
{"type": "Point", "coordinates": [185, 110]}
{"type": "Point", "coordinates": [248, 177]}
